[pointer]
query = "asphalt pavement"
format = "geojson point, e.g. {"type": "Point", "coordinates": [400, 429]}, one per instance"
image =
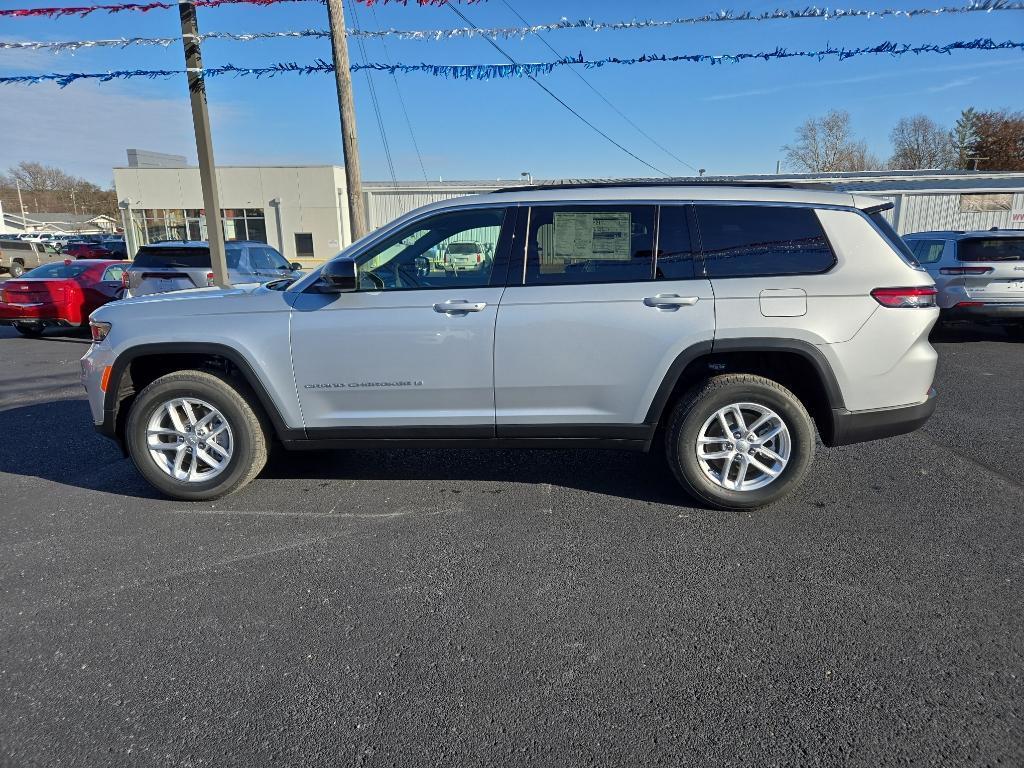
{"type": "Point", "coordinates": [423, 608]}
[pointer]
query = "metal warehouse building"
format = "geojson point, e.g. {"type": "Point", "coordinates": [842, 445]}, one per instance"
{"type": "Point", "coordinates": [300, 210]}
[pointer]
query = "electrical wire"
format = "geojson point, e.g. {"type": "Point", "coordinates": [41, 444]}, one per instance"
{"type": "Point", "coordinates": [540, 85]}
{"type": "Point", "coordinates": [600, 95]}
{"type": "Point", "coordinates": [401, 99]}
{"type": "Point", "coordinates": [373, 99]}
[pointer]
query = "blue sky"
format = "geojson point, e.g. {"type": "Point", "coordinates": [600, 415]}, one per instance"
{"type": "Point", "coordinates": [728, 119]}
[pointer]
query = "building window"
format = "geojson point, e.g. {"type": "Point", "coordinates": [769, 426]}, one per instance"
{"type": "Point", "coordinates": [303, 245]}
{"type": "Point", "coordinates": [155, 225]}
{"type": "Point", "coordinates": [985, 203]}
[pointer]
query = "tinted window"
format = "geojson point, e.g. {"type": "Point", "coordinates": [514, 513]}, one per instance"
{"type": "Point", "coordinates": [991, 249]}
{"type": "Point", "coordinates": [675, 250]}
{"type": "Point", "coordinates": [409, 259]}
{"type": "Point", "coordinates": [754, 240]}
{"type": "Point", "coordinates": [927, 251]}
{"type": "Point", "coordinates": [58, 270]}
{"type": "Point", "coordinates": [894, 239]}
{"type": "Point", "coordinates": [174, 257]}
{"type": "Point", "coordinates": [587, 244]}
{"type": "Point", "coordinates": [267, 258]}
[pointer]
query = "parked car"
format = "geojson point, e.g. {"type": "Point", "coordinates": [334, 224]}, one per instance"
{"type": "Point", "coordinates": [60, 294]}
{"type": "Point", "coordinates": [17, 256]}
{"type": "Point", "coordinates": [87, 249]}
{"type": "Point", "coordinates": [182, 264]}
{"type": "Point", "coordinates": [794, 311]}
{"type": "Point", "coordinates": [464, 255]}
{"type": "Point", "coordinates": [979, 274]}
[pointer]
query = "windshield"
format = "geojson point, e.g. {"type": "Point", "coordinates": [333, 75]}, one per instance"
{"type": "Point", "coordinates": [991, 249]}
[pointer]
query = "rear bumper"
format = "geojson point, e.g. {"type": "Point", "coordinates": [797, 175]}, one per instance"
{"type": "Point", "coordinates": [850, 427]}
{"type": "Point", "coordinates": [990, 310]}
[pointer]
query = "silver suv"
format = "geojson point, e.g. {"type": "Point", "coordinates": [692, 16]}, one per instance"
{"type": "Point", "coordinates": [725, 325]}
{"type": "Point", "coordinates": [979, 275]}
{"type": "Point", "coordinates": [179, 265]}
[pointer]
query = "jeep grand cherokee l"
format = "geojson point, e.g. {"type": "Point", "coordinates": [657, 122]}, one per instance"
{"type": "Point", "coordinates": [724, 324]}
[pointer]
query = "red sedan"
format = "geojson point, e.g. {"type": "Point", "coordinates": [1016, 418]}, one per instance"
{"type": "Point", "coordinates": [61, 293]}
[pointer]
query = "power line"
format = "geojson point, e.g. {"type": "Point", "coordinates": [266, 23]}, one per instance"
{"type": "Point", "coordinates": [401, 99]}
{"type": "Point", "coordinates": [540, 85]}
{"type": "Point", "coordinates": [373, 99]}
{"type": "Point", "coordinates": [600, 95]}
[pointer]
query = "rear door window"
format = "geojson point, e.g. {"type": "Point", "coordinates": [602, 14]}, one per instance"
{"type": "Point", "coordinates": [676, 257]}
{"type": "Point", "coordinates": [590, 244]}
{"type": "Point", "coordinates": [991, 249]}
{"type": "Point", "coordinates": [762, 240]}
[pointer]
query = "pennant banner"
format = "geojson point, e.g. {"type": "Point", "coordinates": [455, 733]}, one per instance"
{"type": "Point", "coordinates": [85, 10]}
{"type": "Point", "coordinates": [522, 32]}
{"type": "Point", "coordinates": [529, 69]}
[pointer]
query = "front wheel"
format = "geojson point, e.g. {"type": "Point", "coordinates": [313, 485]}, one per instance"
{"type": "Point", "coordinates": [17, 269]}
{"type": "Point", "coordinates": [739, 441]}
{"type": "Point", "coordinates": [194, 436]}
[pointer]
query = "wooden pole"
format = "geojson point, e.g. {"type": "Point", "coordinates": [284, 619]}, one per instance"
{"type": "Point", "coordinates": [347, 109]}
{"type": "Point", "coordinates": [204, 142]}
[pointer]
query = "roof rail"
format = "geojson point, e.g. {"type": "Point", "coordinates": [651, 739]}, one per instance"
{"type": "Point", "coordinates": [704, 181]}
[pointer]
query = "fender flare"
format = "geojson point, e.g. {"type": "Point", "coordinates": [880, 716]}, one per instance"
{"type": "Point", "coordinates": [805, 349]}
{"type": "Point", "coordinates": [112, 401]}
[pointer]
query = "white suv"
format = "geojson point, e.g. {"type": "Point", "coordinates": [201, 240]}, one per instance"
{"type": "Point", "coordinates": [724, 324]}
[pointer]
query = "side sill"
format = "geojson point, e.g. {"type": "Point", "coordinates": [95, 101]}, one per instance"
{"type": "Point", "coordinates": [366, 443]}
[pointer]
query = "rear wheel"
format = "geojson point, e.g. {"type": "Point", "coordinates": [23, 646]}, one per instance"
{"type": "Point", "coordinates": [739, 441]}
{"type": "Point", "coordinates": [194, 436]}
{"type": "Point", "coordinates": [17, 269]}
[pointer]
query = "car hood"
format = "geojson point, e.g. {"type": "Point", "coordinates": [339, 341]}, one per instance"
{"type": "Point", "coordinates": [196, 301]}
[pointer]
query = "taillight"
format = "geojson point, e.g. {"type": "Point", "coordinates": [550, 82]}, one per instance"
{"type": "Point", "coordinates": [966, 270]}
{"type": "Point", "coordinates": [905, 298]}
{"type": "Point", "coordinates": [125, 279]}
{"type": "Point", "coordinates": [478, 258]}
{"type": "Point", "coordinates": [209, 280]}
{"type": "Point", "coordinates": [99, 330]}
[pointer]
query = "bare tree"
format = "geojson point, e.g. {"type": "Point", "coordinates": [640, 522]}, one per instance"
{"type": "Point", "coordinates": [46, 189]}
{"type": "Point", "coordinates": [919, 142]}
{"type": "Point", "coordinates": [826, 144]}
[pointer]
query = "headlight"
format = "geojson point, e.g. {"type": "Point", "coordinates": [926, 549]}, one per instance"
{"type": "Point", "coordinates": [99, 330]}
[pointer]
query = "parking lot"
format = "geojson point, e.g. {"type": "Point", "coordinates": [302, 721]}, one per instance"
{"type": "Point", "coordinates": [489, 607]}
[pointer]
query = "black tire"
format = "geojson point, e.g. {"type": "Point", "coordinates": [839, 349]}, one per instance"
{"type": "Point", "coordinates": [29, 331]}
{"type": "Point", "coordinates": [17, 269]}
{"type": "Point", "coordinates": [250, 435]}
{"type": "Point", "coordinates": [701, 403]}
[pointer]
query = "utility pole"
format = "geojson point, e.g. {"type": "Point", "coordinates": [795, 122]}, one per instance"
{"type": "Point", "coordinates": [347, 109]}
{"type": "Point", "coordinates": [204, 143]}
{"type": "Point", "coordinates": [21, 204]}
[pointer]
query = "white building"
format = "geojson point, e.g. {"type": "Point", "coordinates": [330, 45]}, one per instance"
{"type": "Point", "coordinates": [301, 210]}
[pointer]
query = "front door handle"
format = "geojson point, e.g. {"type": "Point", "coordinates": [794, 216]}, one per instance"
{"type": "Point", "coordinates": [459, 307]}
{"type": "Point", "coordinates": [671, 301]}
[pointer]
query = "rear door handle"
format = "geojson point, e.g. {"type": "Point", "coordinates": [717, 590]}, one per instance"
{"type": "Point", "coordinates": [671, 301]}
{"type": "Point", "coordinates": [459, 307]}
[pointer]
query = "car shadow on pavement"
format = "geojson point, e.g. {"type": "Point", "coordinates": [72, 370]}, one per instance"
{"type": "Point", "coordinates": [55, 441]}
{"type": "Point", "coordinates": [959, 333]}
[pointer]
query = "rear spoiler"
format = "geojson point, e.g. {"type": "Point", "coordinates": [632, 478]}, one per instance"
{"type": "Point", "coordinates": [888, 205]}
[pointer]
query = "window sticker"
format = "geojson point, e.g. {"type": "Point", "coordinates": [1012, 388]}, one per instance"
{"type": "Point", "coordinates": [600, 235]}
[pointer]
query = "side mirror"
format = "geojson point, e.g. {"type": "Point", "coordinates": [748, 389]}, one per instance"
{"type": "Point", "coordinates": [295, 266]}
{"type": "Point", "coordinates": [339, 276]}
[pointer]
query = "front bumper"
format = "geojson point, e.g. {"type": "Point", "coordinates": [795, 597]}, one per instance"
{"type": "Point", "coordinates": [850, 427]}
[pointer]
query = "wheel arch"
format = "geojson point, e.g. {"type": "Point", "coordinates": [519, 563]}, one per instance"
{"type": "Point", "coordinates": [136, 367]}
{"type": "Point", "coordinates": [794, 363]}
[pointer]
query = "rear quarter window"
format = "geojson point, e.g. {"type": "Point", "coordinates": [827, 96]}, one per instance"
{"type": "Point", "coordinates": [762, 240]}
